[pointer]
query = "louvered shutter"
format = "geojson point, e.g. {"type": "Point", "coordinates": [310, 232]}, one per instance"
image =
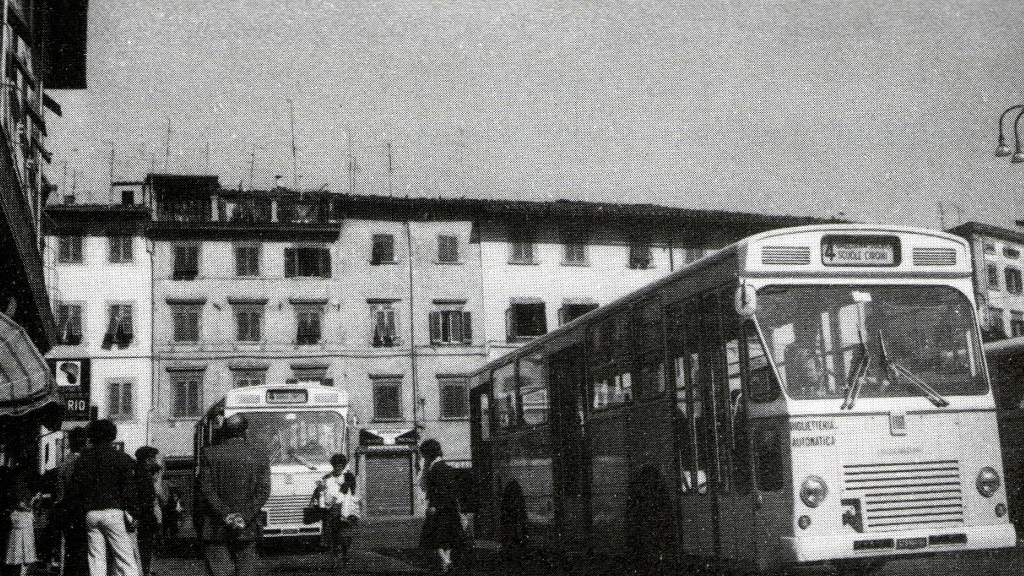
{"type": "Point", "coordinates": [467, 327]}
{"type": "Point", "coordinates": [435, 326]}
{"type": "Point", "coordinates": [290, 263]}
{"type": "Point", "coordinates": [325, 263]}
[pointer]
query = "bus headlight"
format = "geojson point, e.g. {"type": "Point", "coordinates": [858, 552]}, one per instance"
{"type": "Point", "coordinates": [988, 482]}
{"type": "Point", "coordinates": [813, 491]}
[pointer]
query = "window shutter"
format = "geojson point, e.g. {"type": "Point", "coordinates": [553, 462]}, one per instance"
{"type": "Point", "coordinates": [290, 263]}
{"type": "Point", "coordinates": [325, 263]}
{"type": "Point", "coordinates": [467, 327]}
{"type": "Point", "coordinates": [390, 329]}
{"type": "Point", "coordinates": [435, 326]}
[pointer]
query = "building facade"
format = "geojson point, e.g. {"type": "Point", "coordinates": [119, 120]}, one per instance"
{"type": "Point", "coordinates": [998, 269]}
{"type": "Point", "coordinates": [394, 300]}
{"type": "Point", "coordinates": [99, 262]}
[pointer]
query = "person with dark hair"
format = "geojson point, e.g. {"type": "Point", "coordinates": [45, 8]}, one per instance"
{"type": "Point", "coordinates": [68, 516]}
{"type": "Point", "coordinates": [151, 494]}
{"type": "Point", "coordinates": [103, 484]}
{"type": "Point", "coordinates": [444, 527]}
{"type": "Point", "coordinates": [336, 495]}
{"type": "Point", "coordinates": [233, 485]}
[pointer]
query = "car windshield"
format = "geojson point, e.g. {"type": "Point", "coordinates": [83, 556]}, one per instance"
{"type": "Point", "coordinates": [306, 438]}
{"type": "Point", "coordinates": [846, 342]}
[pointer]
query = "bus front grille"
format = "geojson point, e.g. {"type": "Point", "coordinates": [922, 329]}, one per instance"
{"type": "Point", "coordinates": [900, 495]}
{"type": "Point", "coordinates": [285, 509]}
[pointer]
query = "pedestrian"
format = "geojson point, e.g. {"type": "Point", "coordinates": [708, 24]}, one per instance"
{"type": "Point", "coordinates": [151, 496]}
{"type": "Point", "coordinates": [444, 528]}
{"type": "Point", "coordinates": [234, 484]}
{"type": "Point", "coordinates": [341, 505]}
{"type": "Point", "coordinates": [172, 514]}
{"type": "Point", "coordinates": [21, 541]}
{"type": "Point", "coordinates": [68, 515]}
{"type": "Point", "coordinates": [103, 483]}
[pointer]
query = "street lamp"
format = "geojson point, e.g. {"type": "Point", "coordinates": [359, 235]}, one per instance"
{"type": "Point", "coordinates": [1003, 150]}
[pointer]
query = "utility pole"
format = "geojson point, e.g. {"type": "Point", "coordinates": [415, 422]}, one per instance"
{"type": "Point", "coordinates": [390, 171]}
{"type": "Point", "coordinates": [252, 165]}
{"type": "Point", "coordinates": [167, 144]}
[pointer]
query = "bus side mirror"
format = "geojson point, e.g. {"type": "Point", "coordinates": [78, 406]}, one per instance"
{"type": "Point", "coordinates": [745, 300]}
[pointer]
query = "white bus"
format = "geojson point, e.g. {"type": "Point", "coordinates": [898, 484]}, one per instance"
{"type": "Point", "coordinates": [806, 395]}
{"type": "Point", "coordinates": [299, 426]}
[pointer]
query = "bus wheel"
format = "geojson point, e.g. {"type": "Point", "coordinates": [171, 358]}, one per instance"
{"type": "Point", "coordinates": [514, 537]}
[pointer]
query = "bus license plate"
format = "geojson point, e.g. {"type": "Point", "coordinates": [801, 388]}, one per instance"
{"type": "Point", "coordinates": [911, 543]}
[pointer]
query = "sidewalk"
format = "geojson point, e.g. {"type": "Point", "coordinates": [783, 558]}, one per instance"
{"type": "Point", "coordinates": [360, 561]}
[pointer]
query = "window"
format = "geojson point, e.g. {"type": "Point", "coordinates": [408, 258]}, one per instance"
{"type": "Point", "coordinates": [383, 251]}
{"type": "Point", "coordinates": [185, 318]}
{"type": "Point", "coordinates": [186, 262]}
{"type": "Point", "coordinates": [247, 260]}
{"type": "Point", "coordinates": [453, 396]}
{"type": "Point", "coordinates": [640, 254]}
{"type": "Point", "coordinates": [69, 324]}
{"type": "Point", "coordinates": [995, 321]}
{"type": "Point", "coordinates": [69, 249]}
{"type": "Point", "coordinates": [525, 320]}
{"type": "Point", "coordinates": [120, 249]}
{"type": "Point", "coordinates": [993, 277]}
{"type": "Point", "coordinates": [447, 249]}
{"type": "Point", "coordinates": [387, 397]}
{"type": "Point", "coordinates": [119, 399]}
{"type": "Point", "coordinates": [312, 261]}
{"type": "Point", "coordinates": [306, 373]}
{"type": "Point", "coordinates": [694, 254]}
{"type": "Point", "coordinates": [1011, 253]}
{"type": "Point", "coordinates": [307, 319]}
{"type": "Point", "coordinates": [569, 312]}
{"type": "Point", "coordinates": [382, 317]}
{"type": "Point", "coordinates": [119, 327]}
{"type": "Point", "coordinates": [1016, 323]}
{"type": "Point", "coordinates": [450, 324]}
{"type": "Point", "coordinates": [247, 377]}
{"type": "Point", "coordinates": [575, 254]}
{"type": "Point", "coordinates": [1013, 280]}
{"type": "Point", "coordinates": [990, 248]}
{"type": "Point", "coordinates": [521, 240]}
{"type": "Point", "coordinates": [248, 322]}
{"type": "Point", "coordinates": [186, 393]}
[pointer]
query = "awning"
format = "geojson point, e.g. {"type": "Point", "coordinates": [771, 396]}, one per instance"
{"type": "Point", "coordinates": [27, 387]}
{"type": "Point", "coordinates": [388, 437]}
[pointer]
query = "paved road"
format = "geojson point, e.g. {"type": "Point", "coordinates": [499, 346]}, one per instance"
{"type": "Point", "coordinates": [306, 560]}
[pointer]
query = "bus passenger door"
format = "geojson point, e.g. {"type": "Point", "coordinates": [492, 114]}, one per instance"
{"type": "Point", "coordinates": [693, 353]}
{"type": "Point", "coordinates": [481, 453]}
{"type": "Point", "coordinates": [572, 463]}
{"type": "Point", "coordinates": [736, 499]}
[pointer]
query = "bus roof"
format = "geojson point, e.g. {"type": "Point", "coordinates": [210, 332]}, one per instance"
{"type": "Point", "coordinates": [708, 260]}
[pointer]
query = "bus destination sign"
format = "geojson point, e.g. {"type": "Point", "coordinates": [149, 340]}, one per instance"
{"type": "Point", "coordinates": [287, 396]}
{"type": "Point", "coordinates": [860, 250]}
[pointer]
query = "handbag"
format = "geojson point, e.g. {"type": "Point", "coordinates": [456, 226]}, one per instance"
{"type": "Point", "coordinates": [312, 514]}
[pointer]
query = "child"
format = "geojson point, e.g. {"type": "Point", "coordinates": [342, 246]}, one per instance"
{"type": "Point", "coordinates": [21, 543]}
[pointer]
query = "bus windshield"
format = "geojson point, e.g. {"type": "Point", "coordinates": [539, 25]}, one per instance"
{"type": "Point", "coordinates": [846, 342]}
{"type": "Point", "coordinates": [306, 438]}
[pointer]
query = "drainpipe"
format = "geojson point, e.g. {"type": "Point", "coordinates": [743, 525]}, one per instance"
{"type": "Point", "coordinates": [412, 332]}
{"type": "Point", "coordinates": [154, 388]}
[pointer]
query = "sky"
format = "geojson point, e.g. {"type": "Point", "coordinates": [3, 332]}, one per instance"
{"type": "Point", "coordinates": [873, 111]}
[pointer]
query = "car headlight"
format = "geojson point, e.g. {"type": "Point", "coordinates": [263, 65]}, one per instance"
{"type": "Point", "coordinates": [988, 481]}
{"type": "Point", "coordinates": [813, 491]}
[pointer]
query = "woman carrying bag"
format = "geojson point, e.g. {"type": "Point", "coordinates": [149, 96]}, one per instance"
{"type": "Point", "coordinates": [341, 507]}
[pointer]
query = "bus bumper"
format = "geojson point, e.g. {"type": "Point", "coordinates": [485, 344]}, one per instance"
{"type": "Point", "coordinates": [926, 541]}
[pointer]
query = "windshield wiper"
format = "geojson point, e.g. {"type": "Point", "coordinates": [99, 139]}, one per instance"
{"type": "Point", "coordinates": [899, 370]}
{"type": "Point", "coordinates": [857, 376]}
{"type": "Point", "coordinates": [301, 460]}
